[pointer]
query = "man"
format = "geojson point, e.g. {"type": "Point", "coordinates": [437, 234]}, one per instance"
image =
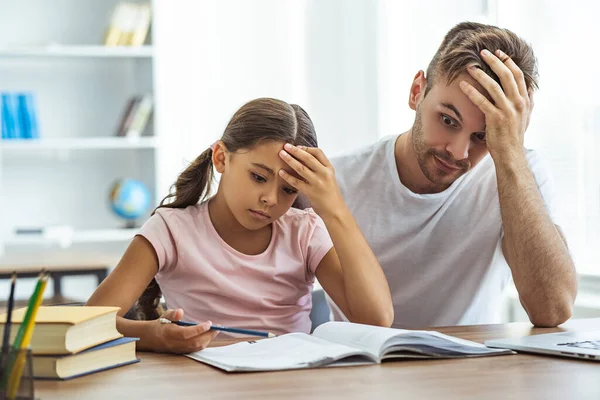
{"type": "Point", "coordinates": [451, 204]}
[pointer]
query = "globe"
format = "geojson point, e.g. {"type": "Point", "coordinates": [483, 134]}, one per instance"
{"type": "Point", "coordinates": [129, 199]}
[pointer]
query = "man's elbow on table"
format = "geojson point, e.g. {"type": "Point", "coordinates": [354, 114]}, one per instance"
{"type": "Point", "coordinates": [551, 314]}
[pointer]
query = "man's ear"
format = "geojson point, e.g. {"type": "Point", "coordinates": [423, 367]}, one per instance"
{"type": "Point", "coordinates": [219, 156]}
{"type": "Point", "coordinates": [417, 90]}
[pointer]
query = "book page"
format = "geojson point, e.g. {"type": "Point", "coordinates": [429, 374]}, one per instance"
{"type": "Point", "coordinates": [382, 341]}
{"type": "Point", "coordinates": [437, 345]}
{"type": "Point", "coordinates": [290, 351]}
{"type": "Point", "coordinates": [365, 337]}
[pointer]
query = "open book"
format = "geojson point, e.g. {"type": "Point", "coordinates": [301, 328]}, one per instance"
{"type": "Point", "coordinates": [339, 344]}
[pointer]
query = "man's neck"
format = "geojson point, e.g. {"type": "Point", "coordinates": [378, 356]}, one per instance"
{"type": "Point", "coordinates": [408, 168]}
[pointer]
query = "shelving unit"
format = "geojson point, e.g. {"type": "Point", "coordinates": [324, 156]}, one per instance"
{"type": "Point", "coordinates": [78, 237]}
{"type": "Point", "coordinates": [95, 143]}
{"type": "Point", "coordinates": [89, 51]}
{"type": "Point", "coordinates": [81, 90]}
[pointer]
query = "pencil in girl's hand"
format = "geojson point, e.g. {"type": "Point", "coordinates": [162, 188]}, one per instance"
{"type": "Point", "coordinates": [249, 332]}
{"type": "Point", "coordinates": [7, 324]}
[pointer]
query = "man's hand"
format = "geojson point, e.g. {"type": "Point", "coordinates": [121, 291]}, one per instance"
{"type": "Point", "coordinates": [537, 255]}
{"type": "Point", "coordinates": [508, 116]}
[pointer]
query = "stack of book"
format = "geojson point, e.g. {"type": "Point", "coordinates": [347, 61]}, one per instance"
{"type": "Point", "coordinates": [129, 25]}
{"type": "Point", "coordinates": [18, 114]}
{"type": "Point", "coordinates": [68, 342]}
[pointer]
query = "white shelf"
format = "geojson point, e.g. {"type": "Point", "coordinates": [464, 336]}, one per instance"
{"type": "Point", "coordinates": [104, 235]}
{"type": "Point", "coordinates": [81, 236]}
{"type": "Point", "coordinates": [78, 51]}
{"type": "Point", "coordinates": [106, 143]}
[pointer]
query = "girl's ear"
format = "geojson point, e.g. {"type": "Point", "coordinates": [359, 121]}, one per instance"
{"type": "Point", "coordinates": [219, 156]}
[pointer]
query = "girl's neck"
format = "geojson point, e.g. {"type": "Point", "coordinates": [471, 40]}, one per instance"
{"type": "Point", "coordinates": [246, 241]}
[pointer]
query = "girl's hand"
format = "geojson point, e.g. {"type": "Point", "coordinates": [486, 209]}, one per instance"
{"type": "Point", "coordinates": [172, 338]}
{"type": "Point", "coordinates": [317, 181]}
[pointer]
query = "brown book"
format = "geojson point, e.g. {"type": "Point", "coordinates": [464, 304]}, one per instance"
{"type": "Point", "coordinates": [128, 114]}
{"type": "Point", "coordinates": [66, 330]}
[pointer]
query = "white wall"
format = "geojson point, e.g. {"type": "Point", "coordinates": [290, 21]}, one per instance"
{"type": "Point", "coordinates": [212, 56]}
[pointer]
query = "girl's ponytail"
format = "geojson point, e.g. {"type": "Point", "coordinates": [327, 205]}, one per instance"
{"type": "Point", "coordinates": [192, 185]}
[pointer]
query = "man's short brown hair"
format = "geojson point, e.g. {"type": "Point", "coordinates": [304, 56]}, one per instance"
{"type": "Point", "coordinates": [462, 47]}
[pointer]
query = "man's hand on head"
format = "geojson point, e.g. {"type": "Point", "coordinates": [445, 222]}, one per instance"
{"type": "Point", "coordinates": [507, 118]}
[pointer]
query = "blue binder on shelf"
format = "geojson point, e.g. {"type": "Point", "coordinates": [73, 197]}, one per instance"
{"type": "Point", "coordinates": [27, 113]}
{"type": "Point", "coordinates": [11, 128]}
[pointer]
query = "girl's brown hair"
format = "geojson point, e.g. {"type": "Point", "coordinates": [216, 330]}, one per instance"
{"type": "Point", "coordinates": [258, 120]}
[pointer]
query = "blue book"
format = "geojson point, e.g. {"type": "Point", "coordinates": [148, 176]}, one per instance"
{"type": "Point", "coordinates": [27, 116]}
{"type": "Point", "coordinates": [11, 128]}
{"type": "Point", "coordinates": [113, 354]}
{"type": "Point", "coordinates": [4, 127]}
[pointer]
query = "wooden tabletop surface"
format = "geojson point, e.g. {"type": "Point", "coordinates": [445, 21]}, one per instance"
{"type": "Point", "coordinates": [522, 376]}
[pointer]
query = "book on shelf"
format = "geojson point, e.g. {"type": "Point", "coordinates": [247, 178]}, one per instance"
{"type": "Point", "coordinates": [340, 344]}
{"type": "Point", "coordinates": [11, 129]}
{"type": "Point", "coordinates": [112, 354]}
{"type": "Point", "coordinates": [67, 330]}
{"type": "Point", "coordinates": [27, 115]}
{"type": "Point", "coordinates": [136, 116]}
{"type": "Point", "coordinates": [141, 27]}
{"type": "Point", "coordinates": [19, 116]}
{"type": "Point", "coordinates": [129, 24]}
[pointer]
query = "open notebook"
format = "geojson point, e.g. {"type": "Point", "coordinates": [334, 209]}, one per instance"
{"type": "Point", "coordinates": [339, 344]}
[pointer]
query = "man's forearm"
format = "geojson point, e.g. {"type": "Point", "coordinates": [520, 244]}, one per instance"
{"type": "Point", "coordinates": [542, 268]}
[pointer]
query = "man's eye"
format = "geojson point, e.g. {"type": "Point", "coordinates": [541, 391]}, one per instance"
{"type": "Point", "coordinates": [448, 121]}
{"type": "Point", "coordinates": [480, 136]}
{"type": "Point", "coordinates": [258, 178]}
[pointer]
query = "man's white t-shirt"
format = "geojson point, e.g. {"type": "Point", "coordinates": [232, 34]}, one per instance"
{"type": "Point", "coordinates": [441, 252]}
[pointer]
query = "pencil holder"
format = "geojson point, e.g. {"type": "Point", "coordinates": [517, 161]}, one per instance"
{"type": "Point", "coordinates": [18, 384]}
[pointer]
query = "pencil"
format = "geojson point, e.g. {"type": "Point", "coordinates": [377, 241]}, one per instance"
{"type": "Point", "coordinates": [25, 339]}
{"type": "Point", "coordinates": [249, 332]}
{"type": "Point", "coordinates": [7, 324]}
{"type": "Point", "coordinates": [16, 345]}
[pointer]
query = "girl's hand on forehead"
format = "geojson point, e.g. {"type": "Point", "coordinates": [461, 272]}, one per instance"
{"type": "Point", "coordinates": [317, 175]}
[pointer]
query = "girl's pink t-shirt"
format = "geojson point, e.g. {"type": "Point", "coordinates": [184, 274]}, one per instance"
{"type": "Point", "coordinates": [201, 274]}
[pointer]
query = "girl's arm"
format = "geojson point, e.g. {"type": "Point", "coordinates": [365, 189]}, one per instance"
{"type": "Point", "coordinates": [349, 272]}
{"type": "Point", "coordinates": [124, 286]}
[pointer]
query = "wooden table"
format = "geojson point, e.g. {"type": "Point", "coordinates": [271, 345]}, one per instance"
{"type": "Point", "coordinates": [161, 376]}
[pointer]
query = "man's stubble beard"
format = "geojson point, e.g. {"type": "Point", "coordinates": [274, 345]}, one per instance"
{"type": "Point", "coordinates": [422, 152]}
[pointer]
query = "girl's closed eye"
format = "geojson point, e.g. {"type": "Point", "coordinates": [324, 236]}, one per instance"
{"type": "Point", "coordinates": [447, 121]}
{"type": "Point", "coordinates": [261, 179]}
{"type": "Point", "coordinates": [258, 178]}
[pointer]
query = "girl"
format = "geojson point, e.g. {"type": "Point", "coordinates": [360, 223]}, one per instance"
{"type": "Point", "coordinates": [243, 257]}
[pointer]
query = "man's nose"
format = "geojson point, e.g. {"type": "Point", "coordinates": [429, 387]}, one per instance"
{"type": "Point", "coordinates": [459, 146]}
